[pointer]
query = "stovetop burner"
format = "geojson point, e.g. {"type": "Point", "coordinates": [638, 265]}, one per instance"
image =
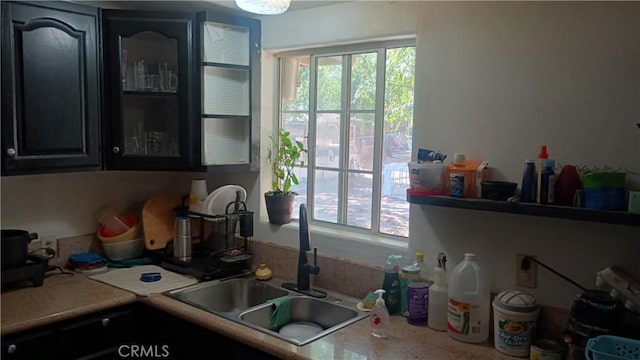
{"type": "Point", "coordinates": [33, 270]}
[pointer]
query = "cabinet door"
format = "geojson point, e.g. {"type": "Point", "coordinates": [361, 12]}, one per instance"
{"type": "Point", "coordinates": [33, 344]}
{"type": "Point", "coordinates": [148, 63]}
{"type": "Point", "coordinates": [229, 65]}
{"type": "Point", "coordinates": [98, 335]}
{"type": "Point", "coordinates": [50, 88]}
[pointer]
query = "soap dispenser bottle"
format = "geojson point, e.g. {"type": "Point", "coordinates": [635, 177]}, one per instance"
{"type": "Point", "coordinates": [379, 316]}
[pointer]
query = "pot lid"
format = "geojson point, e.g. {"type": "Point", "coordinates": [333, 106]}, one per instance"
{"type": "Point", "coordinates": [515, 300]}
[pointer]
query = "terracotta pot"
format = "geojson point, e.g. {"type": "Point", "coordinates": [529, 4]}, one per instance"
{"type": "Point", "coordinates": [279, 208]}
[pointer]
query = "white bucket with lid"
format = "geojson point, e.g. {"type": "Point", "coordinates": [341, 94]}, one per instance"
{"type": "Point", "coordinates": [514, 322]}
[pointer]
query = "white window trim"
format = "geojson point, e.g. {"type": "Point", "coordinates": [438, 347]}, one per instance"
{"type": "Point", "coordinates": [342, 233]}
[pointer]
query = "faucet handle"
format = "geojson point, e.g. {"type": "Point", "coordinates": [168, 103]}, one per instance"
{"type": "Point", "coordinates": [315, 269]}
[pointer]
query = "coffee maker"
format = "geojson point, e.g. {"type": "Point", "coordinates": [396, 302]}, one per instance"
{"type": "Point", "coordinates": [612, 309]}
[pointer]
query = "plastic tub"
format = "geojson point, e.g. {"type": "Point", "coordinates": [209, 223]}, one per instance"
{"type": "Point", "coordinates": [427, 178]}
{"type": "Point", "coordinates": [124, 250]}
{"type": "Point", "coordinates": [608, 347]}
{"type": "Point", "coordinates": [132, 233]}
{"type": "Point", "coordinates": [514, 322]}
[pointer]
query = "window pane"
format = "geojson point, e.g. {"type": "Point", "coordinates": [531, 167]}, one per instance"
{"type": "Point", "coordinates": [361, 141]}
{"type": "Point", "coordinates": [294, 84]}
{"type": "Point", "coordinates": [398, 124]}
{"type": "Point", "coordinates": [301, 189]}
{"type": "Point", "coordinates": [398, 113]}
{"type": "Point", "coordinates": [298, 125]}
{"type": "Point", "coordinates": [394, 216]}
{"type": "Point", "coordinates": [359, 202]}
{"type": "Point", "coordinates": [326, 196]}
{"type": "Point", "coordinates": [363, 81]}
{"type": "Point", "coordinates": [329, 83]}
{"type": "Point", "coordinates": [328, 140]}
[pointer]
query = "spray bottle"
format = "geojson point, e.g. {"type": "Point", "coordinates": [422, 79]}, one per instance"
{"type": "Point", "coordinates": [439, 296]}
{"type": "Point", "coordinates": [379, 317]}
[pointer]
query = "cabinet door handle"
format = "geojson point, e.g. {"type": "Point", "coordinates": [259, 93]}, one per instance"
{"type": "Point", "coordinates": [105, 322]}
{"type": "Point", "coordinates": [12, 348]}
{"type": "Point", "coordinates": [11, 152]}
{"type": "Point", "coordinates": [115, 150]}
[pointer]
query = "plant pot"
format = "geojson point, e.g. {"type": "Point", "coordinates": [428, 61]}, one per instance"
{"type": "Point", "coordinates": [279, 208]}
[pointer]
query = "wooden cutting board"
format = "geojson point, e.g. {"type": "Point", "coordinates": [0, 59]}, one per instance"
{"type": "Point", "coordinates": [158, 218]}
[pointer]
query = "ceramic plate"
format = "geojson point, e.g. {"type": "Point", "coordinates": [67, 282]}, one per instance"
{"type": "Point", "coordinates": [217, 201]}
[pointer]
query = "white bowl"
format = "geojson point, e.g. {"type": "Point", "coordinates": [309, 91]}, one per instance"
{"type": "Point", "coordinates": [123, 250]}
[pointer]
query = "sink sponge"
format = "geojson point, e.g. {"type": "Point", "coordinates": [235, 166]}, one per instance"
{"type": "Point", "coordinates": [369, 300]}
{"type": "Point", "coordinates": [263, 273]}
{"type": "Point", "coordinates": [281, 314]}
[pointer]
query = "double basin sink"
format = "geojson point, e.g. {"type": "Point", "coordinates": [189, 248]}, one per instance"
{"type": "Point", "coordinates": [245, 300]}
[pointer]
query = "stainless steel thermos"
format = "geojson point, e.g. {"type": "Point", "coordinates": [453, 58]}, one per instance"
{"type": "Point", "coordinates": [182, 239]}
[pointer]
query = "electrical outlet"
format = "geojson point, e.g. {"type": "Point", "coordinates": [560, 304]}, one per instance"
{"type": "Point", "coordinates": [50, 242]}
{"type": "Point", "coordinates": [526, 272]}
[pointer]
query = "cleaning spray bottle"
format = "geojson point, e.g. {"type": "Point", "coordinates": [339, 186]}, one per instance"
{"type": "Point", "coordinates": [379, 317]}
{"type": "Point", "coordinates": [439, 296]}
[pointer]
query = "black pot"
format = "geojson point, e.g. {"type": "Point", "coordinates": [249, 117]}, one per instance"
{"type": "Point", "coordinates": [279, 208]}
{"type": "Point", "coordinates": [14, 247]}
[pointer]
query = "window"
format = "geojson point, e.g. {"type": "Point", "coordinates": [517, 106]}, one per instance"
{"type": "Point", "coordinates": [353, 109]}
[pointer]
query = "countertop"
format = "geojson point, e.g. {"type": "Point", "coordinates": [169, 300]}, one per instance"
{"type": "Point", "coordinates": [62, 297]}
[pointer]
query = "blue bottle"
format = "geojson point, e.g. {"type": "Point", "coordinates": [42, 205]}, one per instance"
{"type": "Point", "coordinates": [528, 193]}
{"type": "Point", "coordinates": [547, 182]}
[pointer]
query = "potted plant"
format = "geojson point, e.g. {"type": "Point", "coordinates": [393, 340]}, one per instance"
{"type": "Point", "coordinates": [285, 153]}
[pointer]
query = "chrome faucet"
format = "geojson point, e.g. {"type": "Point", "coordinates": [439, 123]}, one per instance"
{"type": "Point", "coordinates": [303, 285]}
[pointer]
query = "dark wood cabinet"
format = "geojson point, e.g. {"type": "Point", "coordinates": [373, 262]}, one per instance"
{"type": "Point", "coordinates": [181, 339]}
{"type": "Point", "coordinates": [50, 88]}
{"type": "Point", "coordinates": [148, 70]}
{"type": "Point", "coordinates": [128, 331]}
{"type": "Point", "coordinates": [97, 336]}
{"type": "Point", "coordinates": [86, 88]}
{"type": "Point", "coordinates": [28, 345]}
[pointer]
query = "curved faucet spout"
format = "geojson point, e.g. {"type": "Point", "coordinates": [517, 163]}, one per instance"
{"type": "Point", "coordinates": [303, 284]}
{"type": "Point", "coordinates": [305, 243]}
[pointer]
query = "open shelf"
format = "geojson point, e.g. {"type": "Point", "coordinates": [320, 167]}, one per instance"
{"type": "Point", "coordinates": [561, 212]}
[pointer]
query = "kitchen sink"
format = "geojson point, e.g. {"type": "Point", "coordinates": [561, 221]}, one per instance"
{"type": "Point", "coordinates": [325, 316]}
{"type": "Point", "coordinates": [245, 300]}
{"type": "Point", "coordinates": [228, 296]}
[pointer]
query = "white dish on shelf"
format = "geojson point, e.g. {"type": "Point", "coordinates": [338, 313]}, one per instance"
{"type": "Point", "coordinates": [217, 201]}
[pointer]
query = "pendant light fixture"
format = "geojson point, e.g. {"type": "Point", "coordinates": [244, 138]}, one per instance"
{"type": "Point", "coordinates": [264, 7]}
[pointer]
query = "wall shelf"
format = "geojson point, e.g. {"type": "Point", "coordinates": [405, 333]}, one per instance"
{"type": "Point", "coordinates": [561, 212]}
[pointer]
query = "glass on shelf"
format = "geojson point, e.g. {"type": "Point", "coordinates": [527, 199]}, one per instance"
{"type": "Point", "coordinates": [149, 63]}
{"type": "Point", "coordinates": [151, 126]}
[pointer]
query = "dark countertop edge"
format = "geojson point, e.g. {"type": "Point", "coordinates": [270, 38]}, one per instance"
{"type": "Point", "coordinates": [66, 315]}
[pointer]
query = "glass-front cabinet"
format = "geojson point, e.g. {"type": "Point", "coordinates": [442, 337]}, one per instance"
{"type": "Point", "coordinates": [229, 65]}
{"type": "Point", "coordinates": [148, 66]}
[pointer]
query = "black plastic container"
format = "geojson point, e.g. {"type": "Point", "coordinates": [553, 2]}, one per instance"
{"type": "Point", "coordinates": [497, 190]}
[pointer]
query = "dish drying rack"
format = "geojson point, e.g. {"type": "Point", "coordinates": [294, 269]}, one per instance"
{"type": "Point", "coordinates": [219, 243]}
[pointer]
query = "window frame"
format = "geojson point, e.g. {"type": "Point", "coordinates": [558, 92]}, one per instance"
{"type": "Point", "coordinates": [346, 52]}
